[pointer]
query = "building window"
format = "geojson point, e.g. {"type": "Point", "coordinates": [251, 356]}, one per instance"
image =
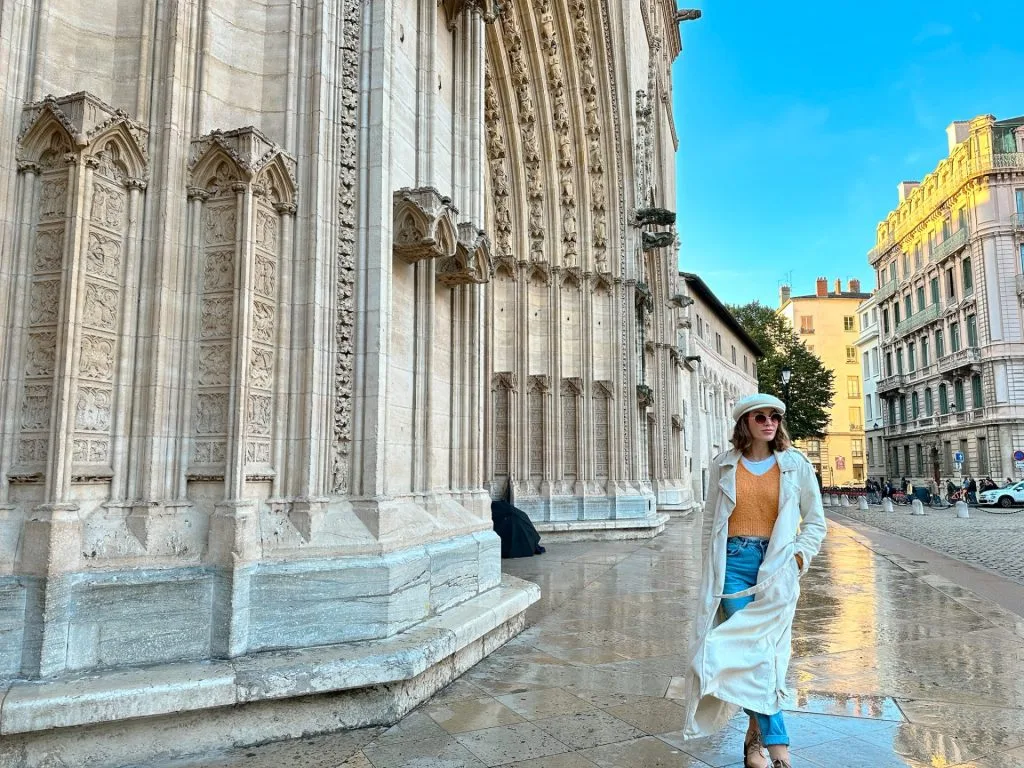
{"type": "Point", "coordinates": [734, 355]}
{"type": "Point", "coordinates": [972, 331]}
{"type": "Point", "coordinates": [892, 410]}
{"type": "Point", "coordinates": [1022, 257]}
{"type": "Point", "coordinates": [866, 365]}
{"type": "Point", "coordinates": [888, 363]}
{"type": "Point", "coordinates": [982, 444]}
{"type": "Point", "coordinates": [896, 314]}
{"type": "Point", "coordinates": [963, 450]}
{"type": "Point", "coordinates": [961, 218]}
{"type": "Point", "coordinates": [885, 312]}
{"type": "Point", "coordinates": [906, 458]}
{"type": "Point", "coordinates": [954, 337]}
{"type": "Point", "coordinates": [718, 343]}
{"type": "Point", "coordinates": [906, 265]}
{"type": "Point", "coordinates": [814, 446]}
{"type": "Point", "coordinates": [950, 284]}
{"type": "Point", "coordinates": [851, 355]}
{"type": "Point", "coordinates": [899, 361]}
{"type": "Point", "coordinates": [853, 386]}
{"type": "Point", "coordinates": [857, 448]}
{"type": "Point", "coordinates": [806, 324]}
{"type": "Point", "coordinates": [924, 351]}
{"type": "Point", "coordinates": [920, 459]}
{"type": "Point", "coordinates": [908, 306]}
{"type": "Point", "coordinates": [895, 461]}
{"type": "Point", "coordinates": [920, 298]}
{"type": "Point", "coordinates": [928, 401]}
{"type": "Point", "coordinates": [903, 409]}
{"type": "Point", "coordinates": [968, 276]}
{"type": "Point", "coordinates": [867, 407]}
{"type": "Point", "coordinates": [911, 357]}
{"type": "Point", "coordinates": [958, 393]}
{"type": "Point", "coordinates": [746, 364]}
{"type": "Point", "coordinates": [917, 257]}
{"type": "Point", "coordinates": [849, 323]}
{"type": "Point", "coordinates": [856, 422]}
{"type": "Point", "coordinates": [940, 345]}
{"type": "Point", "coordinates": [915, 405]}
{"type": "Point", "coordinates": [976, 390]}
{"type": "Point", "coordinates": [892, 270]}
{"type": "Point", "coordinates": [943, 399]}
{"type": "Point", "coordinates": [1020, 200]}
{"type": "Point", "coordinates": [934, 285]}
{"type": "Point", "coordinates": [700, 327]}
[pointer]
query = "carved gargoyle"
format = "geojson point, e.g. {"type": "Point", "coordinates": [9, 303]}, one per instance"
{"type": "Point", "coordinates": [679, 300]}
{"type": "Point", "coordinates": [644, 396]}
{"type": "Point", "coordinates": [471, 262]}
{"type": "Point", "coordinates": [424, 225]}
{"type": "Point", "coordinates": [658, 216]}
{"type": "Point", "coordinates": [643, 296]}
{"type": "Point", "coordinates": [652, 240]}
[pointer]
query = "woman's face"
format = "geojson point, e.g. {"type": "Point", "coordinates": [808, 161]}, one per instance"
{"type": "Point", "coordinates": [764, 423]}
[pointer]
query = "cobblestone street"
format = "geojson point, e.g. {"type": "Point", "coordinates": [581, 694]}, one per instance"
{"type": "Point", "coordinates": [893, 666]}
{"type": "Point", "coordinates": [987, 539]}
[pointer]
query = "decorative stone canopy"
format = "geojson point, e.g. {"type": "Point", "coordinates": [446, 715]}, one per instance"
{"type": "Point", "coordinates": [471, 263]}
{"type": "Point", "coordinates": [424, 225]}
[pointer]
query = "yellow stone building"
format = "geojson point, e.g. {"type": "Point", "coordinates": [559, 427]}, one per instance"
{"type": "Point", "coordinates": [827, 322]}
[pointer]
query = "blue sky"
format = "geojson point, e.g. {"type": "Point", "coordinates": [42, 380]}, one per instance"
{"type": "Point", "coordinates": [796, 122]}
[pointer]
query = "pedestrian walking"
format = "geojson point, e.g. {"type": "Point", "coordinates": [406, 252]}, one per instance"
{"type": "Point", "coordinates": [972, 491]}
{"type": "Point", "coordinates": [760, 494]}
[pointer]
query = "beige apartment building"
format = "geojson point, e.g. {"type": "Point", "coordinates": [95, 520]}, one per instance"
{"type": "Point", "coordinates": [827, 322]}
{"type": "Point", "coordinates": [949, 261]}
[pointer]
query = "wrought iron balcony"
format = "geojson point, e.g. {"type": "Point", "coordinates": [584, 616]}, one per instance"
{"type": "Point", "coordinates": [1018, 222]}
{"type": "Point", "coordinates": [894, 383]}
{"type": "Point", "coordinates": [926, 315]}
{"type": "Point", "coordinates": [1020, 285]}
{"type": "Point", "coordinates": [950, 245]}
{"type": "Point", "coordinates": [879, 250]}
{"type": "Point", "coordinates": [885, 290]}
{"type": "Point", "coordinates": [959, 359]}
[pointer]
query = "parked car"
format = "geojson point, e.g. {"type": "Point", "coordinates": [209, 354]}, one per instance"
{"type": "Point", "coordinates": [1003, 497]}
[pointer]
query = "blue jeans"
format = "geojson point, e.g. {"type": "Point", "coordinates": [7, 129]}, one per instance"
{"type": "Point", "coordinates": [743, 556]}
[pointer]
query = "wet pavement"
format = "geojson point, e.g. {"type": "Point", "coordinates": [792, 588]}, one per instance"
{"type": "Point", "coordinates": [893, 666]}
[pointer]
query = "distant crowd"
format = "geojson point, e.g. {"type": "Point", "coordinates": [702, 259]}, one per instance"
{"type": "Point", "coordinates": [966, 489]}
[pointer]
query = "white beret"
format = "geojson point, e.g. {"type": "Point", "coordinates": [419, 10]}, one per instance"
{"type": "Point", "coordinates": [752, 402]}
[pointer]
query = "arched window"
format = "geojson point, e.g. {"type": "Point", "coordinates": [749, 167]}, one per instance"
{"type": "Point", "coordinates": [943, 399]}
{"type": "Point", "coordinates": [915, 406]}
{"type": "Point", "coordinates": [928, 401]}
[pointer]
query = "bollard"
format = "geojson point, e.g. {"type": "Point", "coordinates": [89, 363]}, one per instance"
{"type": "Point", "coordinates": [833, 500]}
{"type": "Point", "coordinates": [862, 503]}
{"type": "Point", "coordinates": [887, 504]}
{"type": "Point", "coordinates": [844, 500]}
{"type": "Point", "coordinates": [916, 507]}
{"type": "Point", "coordinates": [961, 509]}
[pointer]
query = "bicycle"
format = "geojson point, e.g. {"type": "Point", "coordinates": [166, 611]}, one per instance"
{"type": "Point", "coordinates": [900, 498]}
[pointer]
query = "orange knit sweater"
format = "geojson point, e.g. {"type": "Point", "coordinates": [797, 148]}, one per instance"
{"type": "Point", "coordinates": [757, 502]}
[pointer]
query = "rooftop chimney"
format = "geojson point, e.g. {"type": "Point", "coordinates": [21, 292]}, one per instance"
{"type": "Point", "coordinates": [839, 286]}
{"type": "Point", "coordinates": [822, 287]}
{"type": "Point", "coordinates": [854, 285]}
{"type": "Point", "coordinates": [906, 187]}
{"type": "Point", "coordinates": [784, 294]}
{"type": "Point", "coordinates": [957, 131]}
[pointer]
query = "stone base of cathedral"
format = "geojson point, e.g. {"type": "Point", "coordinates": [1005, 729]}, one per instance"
{"type": "Point", "coordinates": [602, 530]}
{"type": "Point", "coordinates": [128, 716]}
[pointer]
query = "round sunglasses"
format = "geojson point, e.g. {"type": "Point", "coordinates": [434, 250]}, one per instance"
{"type": "Point", "coordinates": [775, 418]}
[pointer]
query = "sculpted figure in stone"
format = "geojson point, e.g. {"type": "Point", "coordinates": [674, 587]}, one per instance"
{"type": "Point", "coordinates": [43, 302]}
{"type": "Point", "coordinates": [262, 321]}
{"type": "Point", "coordinates": [264, 278]}
{"type": "Point", "coordinates": [41, 354]}
{"type": "Point", "coordinates": [92, 410]}
{"type": "Point", "coordinates": [103, 256]}
{"type": "Point", "coordinates": [48, 250]}
{"type": "Point", "coordinates": [96, 358]}
{"type": "Point", "coordinates": [53, 198]}
{"type": "Point", "coordinates": [100, 307]}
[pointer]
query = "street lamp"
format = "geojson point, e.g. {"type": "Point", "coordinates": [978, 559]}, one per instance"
{"type": "Point", "coordinates": [787, 374]}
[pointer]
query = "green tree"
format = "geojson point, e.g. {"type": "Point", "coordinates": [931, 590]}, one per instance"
{"type": "Point", "coordinates": [811, 387]}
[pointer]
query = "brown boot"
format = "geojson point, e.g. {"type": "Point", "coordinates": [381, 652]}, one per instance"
{"type": "Point", "coordinates": [753, 752]}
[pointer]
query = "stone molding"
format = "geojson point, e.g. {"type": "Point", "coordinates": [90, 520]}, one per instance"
{"type": "Point", "coordinates": [424, 225]}
{"type": "Point", "coordinates": [471, 262]}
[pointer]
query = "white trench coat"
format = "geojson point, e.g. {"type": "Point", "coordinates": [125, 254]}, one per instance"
{"type": "Point", "coordinates": [742, 662]}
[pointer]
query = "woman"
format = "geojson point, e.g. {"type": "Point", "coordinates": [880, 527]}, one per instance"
{"type": "Point", "coordinates": [767, 524]}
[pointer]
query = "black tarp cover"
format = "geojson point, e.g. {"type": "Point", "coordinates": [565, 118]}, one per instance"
{"type": "Point", "coordinates": [515, 529]}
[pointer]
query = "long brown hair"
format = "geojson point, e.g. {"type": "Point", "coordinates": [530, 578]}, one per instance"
{"type": "Point", "coordinates": [742, 439]}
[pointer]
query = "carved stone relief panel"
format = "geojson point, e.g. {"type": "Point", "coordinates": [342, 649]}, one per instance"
{"type": "Point", "coordinates": [500, 189]}
{"type": "Point", "coordinates": [49, 249]}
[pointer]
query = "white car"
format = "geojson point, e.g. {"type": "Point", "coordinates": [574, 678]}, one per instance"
{"type": "Point", "coordinates": [1003, 497]}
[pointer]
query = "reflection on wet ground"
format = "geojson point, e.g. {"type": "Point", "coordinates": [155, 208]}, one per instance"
{"type": "Point", "coordinates": [892, 666]}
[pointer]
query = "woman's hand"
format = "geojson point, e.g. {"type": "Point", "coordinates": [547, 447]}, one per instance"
{"type": "Point", "coordinates": [799, 561]}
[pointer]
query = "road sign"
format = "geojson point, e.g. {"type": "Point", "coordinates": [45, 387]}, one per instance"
{"type": "Point", "coordinates": [1018, 456]}
{"type": "Point", "coordinates": [957, 465]}
{"type": "Point", "coordinates": [1018, 464]}
{"type": "Point", "coordinates": [958, 457]}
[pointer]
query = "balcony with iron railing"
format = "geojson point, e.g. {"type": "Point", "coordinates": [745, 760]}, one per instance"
{"type": "Point", "coordinates": [885, 290]}
{"type": "Point", "coordinates": [913, 322]}
{"type": "Point", "coordinates": [959, 359]}
{"type": "Point", "coordinates": [893, 383]}
{"type": "Point", "coordinates": [1020, 285]}
{"type": "Point", "coordinates": [950, 245]}
{"type": "Point", "coordinates": [1018, 222]}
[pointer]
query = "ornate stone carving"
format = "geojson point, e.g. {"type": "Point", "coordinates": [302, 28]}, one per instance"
{"type": "Point", "coordinates": [424, 225]}
{"type": "Point", "coordinates": [261, 367]}
{"type": "Point", "coordinates": [40, 354]}
{"type": "Point", "coordinates": [32, 450]}
{"type": "Point", "coordinates": [108, 206]}
{"type": "Point", "coordinates": [505, 380]}
{"type": "Point", "coordinates": [572, 386]}
{"type": "Point", "coordinates": [220, 224]}
{"type": "Point", "coordinates": [90, 451]}
{"type": "Point", "coordinates": [49, 250]}
{"type": "Point", "coordinates": [604, 388]}
{"type": "Point", "coordinates": [265, 277]}
{"type": "Point", "coordinates": [266, 230]}
{"type": "Point", "coordinates": [259, 414]}
{"type": "Point", "coordinates": [654, 240]}
{"type": "Point", "coordinates": [677, 421]}
{"type": "Point", "coordinates": [656, 216]}
{"type": "Point", "coordinates": [100, 307]}
{"type": "Point", "coordinates": [103, 256]}
{"type": "Point", "coordinates": [257, 452]}
{"type": "Point", "coordinates": [644, 396]}
{"type": "Point", "coordinates": [216, 317]}
{"type": "Point", "coordinates": [263, 321]}
{"type": "Point", "coordinates": [209, 452]}
{"type": "Point", "coordinates": [211, 413]}
{"type": "Point", "coordinates": [35, 408]}
{"type": "Point", "coordinates": [53, 199]}
{"type": "Point", "coordinates": [538, 383]}
{"type": "Point", "coordinates": [93, 409]}
{"type": "Point", "coordinates": [214, 365]}
{"type": "Point", "coordinates": [471, 263]}
{"type": "Point", "coordinates": [219, 271]}
{"type": "Point", "coordinates": [96, 358]}
{"type": "Point", "coordinates": [44, 302]}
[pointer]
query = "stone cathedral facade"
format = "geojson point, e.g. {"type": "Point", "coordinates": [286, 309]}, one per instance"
{"type": "Point", "coordinates": [289, 292]}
